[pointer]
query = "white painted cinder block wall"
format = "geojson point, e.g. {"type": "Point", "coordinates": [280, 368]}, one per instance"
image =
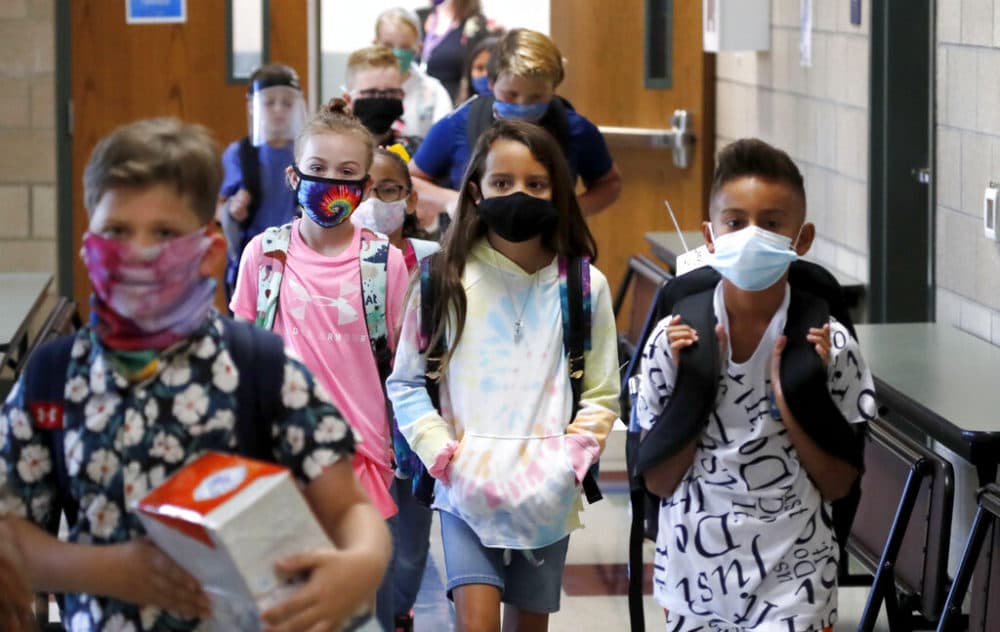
{"type": "Point", "coordinates": [27, 136]}
{"type": "Point", "coordinates": [818, 114]}
{"type": "Point", "coordinates": [968, 158]}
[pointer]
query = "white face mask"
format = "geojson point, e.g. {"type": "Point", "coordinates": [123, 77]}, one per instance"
{"type": "Point", "coordinates": [381, 217]}
{"type": "Point", "coordinates": [752, 258]}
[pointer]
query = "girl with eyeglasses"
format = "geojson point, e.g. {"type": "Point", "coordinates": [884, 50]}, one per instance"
{"type": "Point", "coordinates": [391, 207]}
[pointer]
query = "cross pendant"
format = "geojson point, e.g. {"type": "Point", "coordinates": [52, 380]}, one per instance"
{"type": "Point", "coordinates": [517, 331]}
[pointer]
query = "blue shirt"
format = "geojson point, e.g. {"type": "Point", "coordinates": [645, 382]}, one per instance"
{"type": "Point", "coordinates": [445, 151]}
{"type": "Point", "coordinates": [277, 200]}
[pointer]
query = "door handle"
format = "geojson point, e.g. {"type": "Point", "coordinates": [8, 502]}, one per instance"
{"type": "Point", "coordinates": [678, 138]}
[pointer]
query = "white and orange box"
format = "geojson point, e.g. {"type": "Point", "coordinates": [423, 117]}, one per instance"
{"type": "Point", "coordinates": [227, 520]}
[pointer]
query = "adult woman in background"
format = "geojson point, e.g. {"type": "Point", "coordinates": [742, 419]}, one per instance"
{"type": "Point", "coordinates": [453, 27]}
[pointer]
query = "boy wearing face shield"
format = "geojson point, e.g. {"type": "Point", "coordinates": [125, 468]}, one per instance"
{"type": "Point", "coordinates": [752, 490]}
{"type": "Point", "coordinates": [254, 195]}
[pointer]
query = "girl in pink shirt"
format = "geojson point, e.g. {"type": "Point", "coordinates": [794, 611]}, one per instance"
{"type": "Point", "coordinates": [320, 312]}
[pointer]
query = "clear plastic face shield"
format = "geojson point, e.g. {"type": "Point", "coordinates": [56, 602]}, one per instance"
{"type": "Point", "coordinates": [277, 113]}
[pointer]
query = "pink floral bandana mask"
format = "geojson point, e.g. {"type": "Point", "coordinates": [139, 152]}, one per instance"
{"type": "Point", "coordinates": [147, 297]}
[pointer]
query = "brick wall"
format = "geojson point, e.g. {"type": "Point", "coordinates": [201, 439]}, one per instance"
{"type": "Point", "coordinates": [27, 136]}
{"type": "Point", "coordinates": [818, 114]}
{"type": "Point", "coordinates": [968, 158]}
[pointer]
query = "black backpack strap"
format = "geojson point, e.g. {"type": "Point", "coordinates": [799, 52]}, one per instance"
{"type": "Point", "coordinates": [556, 122]}
{"type": "Point", "coordinates": [259, 357]}
{"type": "Point", "coordinates": [575, 343]}
{"type": "Point", "coordinates": [804, 383]}
{"type": "Point", "coordinates": [249, 157]}
{"type": "Point", "coordinates": [44, 383]}
{"type": "Point", "coordinates": [691, 296]}
{"type": "Point", "coordinates": [480, 118]}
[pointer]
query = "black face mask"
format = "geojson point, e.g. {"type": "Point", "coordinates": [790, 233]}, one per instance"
{"type": "Point", "coordinates": [378, 114]}
{"type": "Point", "coordinates": [518, 216]}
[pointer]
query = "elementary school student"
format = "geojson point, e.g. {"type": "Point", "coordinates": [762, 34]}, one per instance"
{"type": "Point", "coordinates": [746, 538]}
{"type": "Point", "coordinates": [152, 382]}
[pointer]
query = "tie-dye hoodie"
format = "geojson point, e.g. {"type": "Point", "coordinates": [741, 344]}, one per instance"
{"type": "Point", "coordinates": [507, 460]}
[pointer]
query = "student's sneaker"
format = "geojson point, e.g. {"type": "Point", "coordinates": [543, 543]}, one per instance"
{"type": "Point", "coordinates": [404, 622]}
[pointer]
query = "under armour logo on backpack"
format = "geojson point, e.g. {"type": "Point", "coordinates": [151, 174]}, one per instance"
{"type": "Point", "coordinates": [47, 415]}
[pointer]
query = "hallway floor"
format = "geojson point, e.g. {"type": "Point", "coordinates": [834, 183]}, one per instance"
{"type": "Point", "coordinates": [594, 581]}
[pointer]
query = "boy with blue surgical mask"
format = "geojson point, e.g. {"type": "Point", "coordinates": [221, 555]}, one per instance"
{"type": "Point", "coordinates": [527, 70]}
{"type": "Point", "coordinates": [751, 491]}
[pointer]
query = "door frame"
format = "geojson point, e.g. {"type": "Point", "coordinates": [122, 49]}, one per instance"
{"type": "Point", "coordinates": [64, 153]}
{"type": "Point", "coordinates": [902, 140]}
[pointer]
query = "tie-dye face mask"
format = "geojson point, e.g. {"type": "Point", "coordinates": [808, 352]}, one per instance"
{"type": "Point", "coordinates": [328, 201]}
{"type": "Point", "coordinates": [147, 297]}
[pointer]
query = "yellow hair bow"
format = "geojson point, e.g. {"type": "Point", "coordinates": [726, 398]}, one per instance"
{"type": "Point", "coordinates": [400, 151]}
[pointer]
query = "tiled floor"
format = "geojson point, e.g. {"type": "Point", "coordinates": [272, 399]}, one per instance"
{"type": "Point", "coordinates": [596, 556]}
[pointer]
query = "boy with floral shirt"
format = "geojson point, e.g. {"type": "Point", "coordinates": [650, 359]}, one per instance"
{"type": "Point", "coordinates": [151, 384]}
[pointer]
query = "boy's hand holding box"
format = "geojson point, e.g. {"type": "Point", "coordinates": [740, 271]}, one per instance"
{"type": "Point", "coordinates": [227, 520]}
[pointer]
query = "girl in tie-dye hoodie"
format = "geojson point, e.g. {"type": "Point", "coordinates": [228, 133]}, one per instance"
{"type": "Point", "coordinates": [506, 450]}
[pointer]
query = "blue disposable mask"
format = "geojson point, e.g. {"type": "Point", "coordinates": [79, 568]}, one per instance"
{"type": "Point", "coordinates": [531, 112]}
{"type": "Point", "coordinates": [481, 85]}
{"type": "Point", "coordinates": [752, 258]}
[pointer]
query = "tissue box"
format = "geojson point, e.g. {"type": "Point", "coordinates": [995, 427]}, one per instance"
{"type": "Point", "coordinates": [227, 520]}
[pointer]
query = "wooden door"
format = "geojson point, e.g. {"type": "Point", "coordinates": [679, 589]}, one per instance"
{"type": "Point", "coordinates": [603, 45]}
{"type": "Point", "coordinates": [122, 72]}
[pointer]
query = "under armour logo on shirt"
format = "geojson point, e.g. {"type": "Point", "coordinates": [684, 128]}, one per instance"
{"type": "Point", "coordinates": [47, 415]}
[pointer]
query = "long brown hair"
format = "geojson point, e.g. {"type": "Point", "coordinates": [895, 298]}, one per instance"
{"type": "Point", "coordinates": [571, 238]}
{"type": "Point", "coordinates": [465, 9]}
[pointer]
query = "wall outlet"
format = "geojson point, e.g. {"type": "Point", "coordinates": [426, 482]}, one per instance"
{"type": "Point", "coordinates": [990, 211]}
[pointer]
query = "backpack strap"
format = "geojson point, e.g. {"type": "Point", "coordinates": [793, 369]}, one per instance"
{"type": "Point", "coordinates": [274, 245]}
{"type": "Point", "coordinates": [574, 291]}
{"type": "Point", "coordinates": [44, 383]}
{"type": "Point", "coordinates": [690, 295]}
{"type": "Point", "coordinates": [480, 118]}
{"type": "Point", "coordinates": [249, 156]}
{"type": "Point", "coordinates": [374, 260]}
{"type": "Point", "coordinates": [259, 357]}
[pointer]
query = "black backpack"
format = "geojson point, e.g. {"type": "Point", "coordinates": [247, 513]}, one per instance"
{"type": "Point", "coordinates": [249, 157]}
{"type": "Point", "coordinates": [815, 296]}
{"type": "Point", "coordinates": [259, 357]}
{"type": "Point", "coordinates": [576, 339]}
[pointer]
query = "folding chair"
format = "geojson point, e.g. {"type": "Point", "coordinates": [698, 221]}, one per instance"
{"type": "Point", "coordinates": [62, 319]}
{"type": "Point", "coordinates": [984, 611]}
{"type": "Point", "coordinates": [644, 278]}
{"type": "Point", "coordinates": [900, 532]}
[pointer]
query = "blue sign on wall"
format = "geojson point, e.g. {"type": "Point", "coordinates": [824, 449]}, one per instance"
{"type": "Point", "coordinates": [155, 11]}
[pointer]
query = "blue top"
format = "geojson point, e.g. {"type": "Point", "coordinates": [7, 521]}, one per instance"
{"type": "Point", "coordinates": [277, 203]}
{"type": "Point", "coordinates": [445, 151]}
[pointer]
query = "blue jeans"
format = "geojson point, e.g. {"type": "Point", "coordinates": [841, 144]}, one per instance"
{"type": "Point", "coordinates": [411, 533]}
{"type": "Point", "coordinates": [531, 585]}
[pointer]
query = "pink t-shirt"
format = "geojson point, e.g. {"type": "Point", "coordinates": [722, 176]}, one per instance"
{"type": "Point", "coordinates": [321, 318]}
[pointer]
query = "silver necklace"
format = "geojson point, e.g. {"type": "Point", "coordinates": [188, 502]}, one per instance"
{"type": "Point", "coordinates": [518, 316]}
